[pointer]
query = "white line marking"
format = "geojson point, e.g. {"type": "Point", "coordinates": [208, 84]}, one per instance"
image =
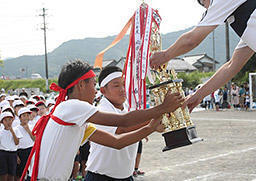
{"type": "Point", "coordinates": [221, 119]}
{"type": "Point", "coordinates": [201, 160]}
{"type": "Point", "coordinates": [214, 174]}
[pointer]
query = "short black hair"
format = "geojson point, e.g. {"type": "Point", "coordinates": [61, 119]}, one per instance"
{"type": "Point", "coordinates": [106, 71]}
{"type": "Point", "coordinates": [23, 94]}
{"type": "Point", "coordinates": [72, 71]}
{"type": "Point", "coordinates": [200, 2]}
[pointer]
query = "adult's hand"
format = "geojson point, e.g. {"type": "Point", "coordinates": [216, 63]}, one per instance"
{"type": "Point", "coordinates": [192, 101]}
{"type": "Point", "coordinates": [157, 59]}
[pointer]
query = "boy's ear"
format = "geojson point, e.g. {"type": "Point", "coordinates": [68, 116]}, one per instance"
{"type": "Point", "coordinates": [80, 83]}
{"type": "Point", "coordinates": [102, 90]}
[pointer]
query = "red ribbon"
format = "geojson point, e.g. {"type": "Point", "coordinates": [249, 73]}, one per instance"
{"type": "Point", "coordinates": [42, 122]}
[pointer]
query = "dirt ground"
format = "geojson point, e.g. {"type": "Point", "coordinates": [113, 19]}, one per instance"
{"type": "Point", "coordinates": [227, 152]}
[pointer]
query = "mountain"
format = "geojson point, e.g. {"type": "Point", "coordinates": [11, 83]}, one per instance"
{"type": "Point", "coordinates": [88, 48]}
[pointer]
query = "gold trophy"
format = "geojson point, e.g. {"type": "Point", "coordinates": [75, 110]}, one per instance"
{"type": "Point", "coordinates": [179, 129]}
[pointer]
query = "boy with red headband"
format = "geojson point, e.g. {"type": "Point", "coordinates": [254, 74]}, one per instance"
{"type": "Point", "coordinates": [59, 134]}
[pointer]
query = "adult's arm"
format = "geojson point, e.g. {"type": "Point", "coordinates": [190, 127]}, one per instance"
{"type": "Point", "coordinates": [222, 76]}
{"type": "Point", "coordinates": [183, 44]}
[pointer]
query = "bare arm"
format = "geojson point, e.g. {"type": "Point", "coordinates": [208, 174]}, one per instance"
{"type": "Point", "coordinates": [184, 44]}
{"type": "Point", "coordinates": [171, 103]}
{"type": "Point", "coordinates": [125, 139]}
{"type": "Point", "coordinates": [29, 132]}
{"type": "Point", "coordinates": [16, 140]}
{"type": "Point", "coordinates": [121, 130]}
{"type": "Point", "coordinates": [222, 76]}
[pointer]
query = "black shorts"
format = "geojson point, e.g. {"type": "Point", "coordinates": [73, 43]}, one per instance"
{"type": "Point", "coordinates": [77, 158]}
{"type": "Point", "coordinates": [23, 154]}
{"type": "Point", "coordinates": [140, 147]}
{"type": "Point", "coordinates": [8, 160]}
{"type": "Point", "coordinates": [90, 176]}
{"type": "Point", "coordinates": [84, 151]}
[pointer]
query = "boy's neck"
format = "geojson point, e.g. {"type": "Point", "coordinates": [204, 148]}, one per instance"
{"type": "Point", "coordinates": [118, 106]}
{"type": "Point", "coordinates": [23, 124]}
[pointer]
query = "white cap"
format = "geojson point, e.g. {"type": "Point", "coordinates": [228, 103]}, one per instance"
{"type": "Point", "coordinates": [7, 107]}
{"type": "Point", "coordinates": [17, 103]}
{"type": "Point", "coordinates": [23, 110]}
{"type": "Point", "coordinates": [23, 97]}
{"type": "Point", "coordinates": [1, 95]}
{"type": "Point", "coordinates": [31, 100]}
{"type": "Point", "coordinates": [4, 103]}
{"type": "Point", "coordinates": [15, 97]}
{"type": "Point", "coordinates": [42, 97]}
{"type": "Point", "coordinates": [32, 106]}
{"type": "Point", "coordinates": [4, 115]}
{"type": "Point", "coordinates": [49, 101]}
{"type": "Point", "coordinates": [9, 98]}
{"type": "Point", "coordinates": [50, 109]}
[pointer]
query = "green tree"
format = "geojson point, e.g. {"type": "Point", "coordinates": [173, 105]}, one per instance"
{"type": "Point", "coordinates": [243, 75]}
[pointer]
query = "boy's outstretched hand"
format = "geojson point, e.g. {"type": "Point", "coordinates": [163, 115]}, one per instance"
{"type": "Point", "coordinates": [172, 101]}
{"type": "Point", "coordinates": [156, 125]}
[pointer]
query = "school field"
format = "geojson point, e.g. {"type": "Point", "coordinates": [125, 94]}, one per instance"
{"type": "Point", "coordinates": [228, 152]}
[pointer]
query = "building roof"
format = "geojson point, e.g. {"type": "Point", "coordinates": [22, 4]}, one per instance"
{"type": "Point", "coordinates": [180, 65]}
{"type": "Point", "coordinates": [192, 59]}
{"type": "Point", "coordinates": [121, 62]}
{"type": "Point", "coordinates": [106, 63]}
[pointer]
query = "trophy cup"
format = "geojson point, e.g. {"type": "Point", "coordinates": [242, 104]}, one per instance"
{"type": "Point", "coordinates": [179, 129]}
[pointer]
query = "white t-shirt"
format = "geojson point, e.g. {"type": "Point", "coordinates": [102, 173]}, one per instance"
{"type": "Point", "coordinates": [1, 126]}
{"type": "Point", "coordinates": [7, 141]}
{"type": "Point", "coordinates": [60, 143]}
{"type": "Point", "coordinates": [241, 15]}
{"type": "Point", "coordinates": [25, 141]}
{"type": "Point", "coordinates": [109, 161]}
{"type": "Point", "coordinates": [33, 122]}
{"type": "Point", "coordinates": [16, 122]}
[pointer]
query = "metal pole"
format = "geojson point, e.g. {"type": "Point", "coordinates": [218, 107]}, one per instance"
{"type": "Point", "coordinates": [213, 50]}
{"type": "Point", "coordinates": [228, 57]}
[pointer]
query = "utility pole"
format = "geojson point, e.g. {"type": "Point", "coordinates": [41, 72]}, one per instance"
{"type": "Point", "coordinates": [45, 49]}
{"type": "Point", "coordinates": [228, 56]}
{"type": "Point", "coordinates": [213, 49]}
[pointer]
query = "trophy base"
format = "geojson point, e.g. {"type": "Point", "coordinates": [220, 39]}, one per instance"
{"type": "Point", "coordinates": [181, 137]}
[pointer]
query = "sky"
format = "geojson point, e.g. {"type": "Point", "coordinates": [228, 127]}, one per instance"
{"type": "Point", "coordinates": [20, 23]}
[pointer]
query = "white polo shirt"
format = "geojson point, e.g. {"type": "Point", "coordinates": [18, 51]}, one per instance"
{"type": "Point", "coordinates": [16, 122]}
{"type": "Point", "coordinates": [109, 161]}
{"type": "Point", "coordinates": [60, 143]}
{"type": "Point", "coordinates": [33, 122]}
{"type": "Point", "coordinates": [241, 15]}
{"type": "Point", "coordinates": [7, 141]}
{"type": "Point", "coordinates": [25, 141]}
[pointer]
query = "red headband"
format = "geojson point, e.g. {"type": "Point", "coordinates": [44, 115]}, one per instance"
{"type": "Point", "coordinates": [63, 92]}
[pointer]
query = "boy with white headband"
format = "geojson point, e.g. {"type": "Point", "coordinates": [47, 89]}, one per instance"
{"type": "Point", "coordinates": [59, 134]}
{"type": "Point", "coordinates": [104, 163]}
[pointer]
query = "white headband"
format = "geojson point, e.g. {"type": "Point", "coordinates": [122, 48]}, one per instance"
{"type": "Point", "coordinates": [110, 77]}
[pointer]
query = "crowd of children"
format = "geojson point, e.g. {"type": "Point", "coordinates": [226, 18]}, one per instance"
{"type": "Point", "coordinates": [18, 116]}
